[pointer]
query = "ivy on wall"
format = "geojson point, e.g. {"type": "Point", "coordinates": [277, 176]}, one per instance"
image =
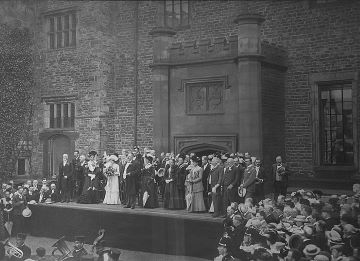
{"type": "Point", "coordinates": [16, 81]}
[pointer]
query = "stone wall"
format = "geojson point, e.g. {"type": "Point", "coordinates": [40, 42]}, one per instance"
{"type": "Point", "coordinates": [111, 64]}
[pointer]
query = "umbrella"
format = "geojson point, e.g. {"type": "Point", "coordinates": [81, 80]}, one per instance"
{"type": "Point", "coordinates": [8, 225]}
{"type": "Point", "coordinates": [145, 197]}
{"type": "Point", "coordinates": [188, 200]}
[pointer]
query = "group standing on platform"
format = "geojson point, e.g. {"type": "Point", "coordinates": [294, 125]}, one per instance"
{"type": "Point", "coordinates": [206, 184]}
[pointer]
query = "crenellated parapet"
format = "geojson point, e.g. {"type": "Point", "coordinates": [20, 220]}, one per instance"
{"type": "Point", "coordinates": [204, 49]}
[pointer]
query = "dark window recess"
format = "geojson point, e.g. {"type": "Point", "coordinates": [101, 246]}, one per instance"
{"type": "Point", "coordinates": [62, 30]}
{"type": "Point", "coordinates": [62, 115]}
{"type": "Point", "coordinates": [176, 13]}
{"type": "Point", "coordinates": [21, 167]}
{"type": "Point", "coordinates": [336, 124]}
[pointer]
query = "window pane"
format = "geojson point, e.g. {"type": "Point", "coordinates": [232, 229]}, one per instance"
{"type": "Point", "coordinates": [58, 115]}
{"type": "Point", "coordinates": [72, 120]}
{"type": "Point", "coordinates": [184, 13]}
{"type": "Point", "coordinates": [21, 167]}
{"type": "Point", "coordinates": [176, 14]}
{"type": "Point", "coordinates": [169, 13]}
{"type": "Point", "coordinates": [52, 40]}
{"type": "Point", "coordinates": [52, 24]}
{"type": "Point", "coordinates": [336, 125]}
{"type": "Point", "coordinates": [347, 95]}
{"type": "Point", "coordinates": [73, 21]}
{"type": "Point", "coordinates": [66, 22]}
{"type": "Point", "coordinates": [73, 38]}
{"type": "Point", "coordinates": [52, 116]}
{"type": "Point", "coordinates": [66, 39]}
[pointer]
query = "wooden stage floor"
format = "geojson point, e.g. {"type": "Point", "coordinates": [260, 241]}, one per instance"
{"type": "Point", "coordinates": [160, 231]}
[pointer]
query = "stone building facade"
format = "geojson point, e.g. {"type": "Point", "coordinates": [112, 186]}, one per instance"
{"type": "Point", "coordinates": [267, 77]}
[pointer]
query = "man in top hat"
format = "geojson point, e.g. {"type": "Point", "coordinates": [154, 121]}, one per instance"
{"type": "Point", "coordinates": [20, 244]}
{"type": "Point", "coordinates": [65, 179]}
{"type": "Point", "coordinates": [79, 249]}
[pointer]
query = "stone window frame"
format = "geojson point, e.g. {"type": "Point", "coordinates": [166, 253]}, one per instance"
{"type": "Point", "coordinates": [315, 80]}
{"type": "Point", "coordinates": [164, 17]}
{"type": "Point", "coordinates": [46, 16]}
{"type": "Point", "coordinates": [55, 100]}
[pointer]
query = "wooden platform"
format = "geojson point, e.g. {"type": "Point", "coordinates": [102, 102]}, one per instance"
{"type": "Point", "coordinates": [174, 232]}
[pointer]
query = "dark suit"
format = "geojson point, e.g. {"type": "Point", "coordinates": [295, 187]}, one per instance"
{"type": "Point", "coordinates": [249, 181]}
{"type": "Point", "coordinates": [280, 183]}
{"type": "Point", "coordinates": [215, 177]}
{"type": "Point", "coordinates": [78, 175]}
{"type": "Point", "coordinates": [132, 173]}
{"type": "Point", "coordinates": [259, 186]}
{"type": "Point", "coordinates": [65, 181]}
{"type": "Point", "coordinates": [230, 177]}
{"type": "Point", "coordinates": [206, 185]}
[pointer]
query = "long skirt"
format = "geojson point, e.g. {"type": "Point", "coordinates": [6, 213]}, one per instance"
{"type": "Point", "coordinates": [112, 191]}
{"type": "Point", "coordinates": [149, 193]}
{"type": "Point", "coordinates": [197, 202]}
{"type": "Point", "coordinates": [172, 197]}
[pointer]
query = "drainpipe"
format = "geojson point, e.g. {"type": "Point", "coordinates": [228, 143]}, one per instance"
{"type": "Point", "coordinates": [136, 66]}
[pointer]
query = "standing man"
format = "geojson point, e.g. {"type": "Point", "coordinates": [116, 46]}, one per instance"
{"type": "Point", "coordinates": [229, 183]}
{"type": "Point", "coordinates": [259, 181]}
{"type": "Point", "coordinates": [65, 179]}
{"type": "Point", "coordinates": [249, 179]}
{"type": "Point", "coordinates": [19, 204]}
{"type": "Point", "coordinates": [280, 173]}
{"type": "Point", "coordinates": [214, 180]}
{"type": "Point", "coordinates": [206, 170]}
{"type": "Point", "coordinates": [75, 164]}
{"type": "Point", "coordinates": [130, 174]}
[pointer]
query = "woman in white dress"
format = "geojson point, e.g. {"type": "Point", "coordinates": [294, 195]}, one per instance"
{"type": "Point", "coordinates": [112, 172]}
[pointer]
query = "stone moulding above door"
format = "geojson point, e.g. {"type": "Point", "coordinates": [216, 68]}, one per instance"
{"type": "Point", "coordinates": [222, 78]}
{"type": "Point", "coordinates": [221, 142]}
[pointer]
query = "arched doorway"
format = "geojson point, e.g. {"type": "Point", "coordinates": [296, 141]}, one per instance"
{"type": "Point", "coordinates": [57, 146]}
{"type": "Point", "coordinates": [203, 149]}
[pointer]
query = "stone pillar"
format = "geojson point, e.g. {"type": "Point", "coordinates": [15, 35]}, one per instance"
{"type": "Point", "coordinates": [249, 83]}
{"type": "Point", "coordinates": [160, 86]}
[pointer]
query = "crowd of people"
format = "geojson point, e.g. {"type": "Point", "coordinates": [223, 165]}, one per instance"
{"type": "Point", "coordinates": [302, 226]}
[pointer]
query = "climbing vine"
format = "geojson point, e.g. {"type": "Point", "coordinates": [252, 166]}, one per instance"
{"type": "Point", "coordinates": [16, 81]}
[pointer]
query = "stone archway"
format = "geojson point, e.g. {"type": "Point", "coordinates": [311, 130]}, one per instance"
{"type": "Point", "coordinates": [202, 144]}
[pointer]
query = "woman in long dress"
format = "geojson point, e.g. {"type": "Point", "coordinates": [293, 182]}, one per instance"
{"type": "Point", "coordinates": [195, 186]}
{"type": "Point", "coordinates": [173, 200]}
{"type": "Point", "coordinates": [112, 172]}
{"type": "Point", "coordinates": [148, 185]}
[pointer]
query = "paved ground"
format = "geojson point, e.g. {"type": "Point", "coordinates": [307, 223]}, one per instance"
{"type": "Point", "coordinates": [35, 242]}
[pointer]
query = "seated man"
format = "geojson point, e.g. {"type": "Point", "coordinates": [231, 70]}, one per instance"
{"type": "Point", "coordinates": [54, 193]}
{"type": "Point", "coordinates": [20, 243]}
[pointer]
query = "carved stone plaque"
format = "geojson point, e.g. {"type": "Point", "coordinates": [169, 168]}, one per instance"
{"type": "Point", "coordinates": [205, 97]}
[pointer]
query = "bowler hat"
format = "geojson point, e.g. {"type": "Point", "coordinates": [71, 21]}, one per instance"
{"type": "Point", "coordinates": [311, 250]}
